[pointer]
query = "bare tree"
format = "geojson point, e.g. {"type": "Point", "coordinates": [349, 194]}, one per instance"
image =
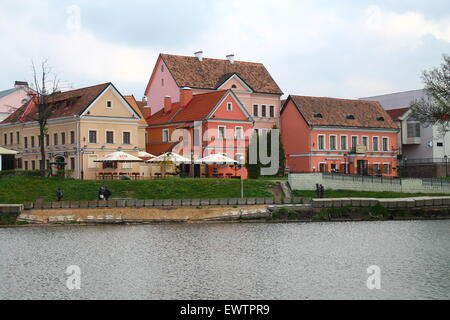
{"type": "Point", "coordinates": [46, 84]}
{"type": "Point", "coordinates": [435, 110]}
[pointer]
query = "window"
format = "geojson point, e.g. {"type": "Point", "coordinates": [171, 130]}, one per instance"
{"type": "Point", "coordinates": [385, 144]}
{"type": "Point", "coordinates": [440, 144]}
{"type": "Point", "coordinates": [72, 137]}
{"type": "Point", "coordinates": [386, 168]}
{"type": "Point", "coordinates": [25, 142]}
{"type": "Point", "coordinates": [109, 165]}
{"type": "Point", "coordinates": [109, 104]}
{"type": "Point", "coordinates": [350, 117]}
{"type": "Point", "coordinates": [26, 165]}
{"type": "Point", "coordinates": [233, 86]}
{"type": "Point", "coordinates": [255, 110]}
{"type": "Point", "coordinates": [32, 141]}
{"type": "Point", "coordinates": [333, 142]}
{"type": "Point", "coordinates": [18, 137]}
{"type": "Point", "coordinates": [229, 106]}
{"type": "Point", "coordinates": [126, 138]}
{"type": "Point", "coordinates": [272, 111]}
{"type": "Point", "coordinates": [365, 141]}
{"type": "Point", "coordinates": [110, 137]}
{"type": "Point", "coordinates": [375, 146]}
{"type": "Point", "coordinates": [239, 133]}
{"type": "Point", "coordinates": [33, 165]}
{"type": "Point", "coordinates": [413, 130]}
{"type": "Point", "coordinates": [376, 168]}
{"type": "Point", "coordinates": [343, 142]}
{"type": "Point", "coordinates": [92, 136]}
{"type": "Point", "coordinates": [263, 111]}
{"type": "Point", "coordinates": [380, 118]}
{"type": "Point", "coordinates": [165, 135]}
{"type": "Point", "coordinates": [72, 164]}
{"type": "Point", "coordinates": [47, 139]}
{"type": "Point", "coordinates": [11, 136]}
{"type": "Point", "coordinates": [317, 115]}
{"type": "Point", "coordinates": [5, 139]}
{"type": "Point", "coordinates": [354, 142]}
{"type": "Point", "coordinates": [55, 139]}
{"type": "Point", "coordinates": [221, 132]}
{"type": "Point", "coordinates": [63, 138]}
{"type": "Point", "coordinates": [162, 82]}
{"type": "Point", "coordinates": [321, 142]}
{"type": "Point", "coordinates": [162, 68]}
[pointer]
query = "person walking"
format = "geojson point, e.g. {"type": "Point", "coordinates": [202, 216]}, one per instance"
{"type": "Point", "coordinates": [317, 190]}
{"type": "Point", "coordinates": [101, 193]}
{"type": "Point", "coordinates": [107, 193]}
{"type": "Point", "coordinates": [322, 191]}
{"type": "Point", "coordinates": [59, 194]}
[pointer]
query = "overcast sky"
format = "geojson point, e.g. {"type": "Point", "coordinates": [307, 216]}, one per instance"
{"type": "Point", "coordinates": [344, 49]}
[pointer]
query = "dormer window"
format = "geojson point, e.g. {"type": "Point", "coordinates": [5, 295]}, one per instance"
{"type": "Point", "coordinates": [350, 117]}
{"type": "Point", "coordinates": [380, 118]}
{"type": "Point", "coordinates": [317, 115]}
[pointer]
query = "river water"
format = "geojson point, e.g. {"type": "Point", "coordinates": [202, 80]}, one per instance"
{"type": "Point", "coordinates": [228, 261]}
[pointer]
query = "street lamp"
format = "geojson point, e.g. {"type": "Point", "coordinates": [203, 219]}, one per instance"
{"type": "Point", "coordinates": [241, 164]}
{"type": "Point", "coordinates": [446, 165]}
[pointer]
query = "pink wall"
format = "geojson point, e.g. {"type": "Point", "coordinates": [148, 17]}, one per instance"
{"type": "Point", "coordinates": [14, 99]}
{"type": "Point", "coordinates": [157, 91]}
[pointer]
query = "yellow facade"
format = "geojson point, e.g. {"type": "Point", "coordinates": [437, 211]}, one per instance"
{"type": "Point", "coordinates": [109, 124]}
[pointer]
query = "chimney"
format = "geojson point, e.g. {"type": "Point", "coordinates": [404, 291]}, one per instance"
{"type": "Point", "coordinates": [147, 112]}
{"type": "Point", "coordinates": [199, 55]}
{"type": "Point", "coordinates": [144, 98]}
{"type": "Point", "coordinates": [20, 84]}
{"type": "Point", "coordinates": [167, 104]}
{"type": "Point", "coordinates": [230, 58]}
{"type": "Point", "coordinates": [185, 96]}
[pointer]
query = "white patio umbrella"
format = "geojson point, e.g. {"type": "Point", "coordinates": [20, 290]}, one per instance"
{"type": "Point", "coordinates": [119, 156]}
{"type": "Point", "coordinates": [143, 154]}
{"type": "Point", "coordinates": [216, 158]}
{"type": "Point", "coordinates": [170, 157]}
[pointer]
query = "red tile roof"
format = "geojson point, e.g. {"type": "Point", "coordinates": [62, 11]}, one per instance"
{"type": "Point", "coordinates": [160, 148]}
{"type": "Point", "coordinates": [135, 105]}
{"type": "Point", "coordinates": [197, 109]}
{"type": "Point", "coordinates": [320, 111]}
{"type": "Point", "coordinates": [64, 104]}
{"type": "Point", "coordinates": [396, 113]}
{"type": "Point", "coordinates": [211, 73]}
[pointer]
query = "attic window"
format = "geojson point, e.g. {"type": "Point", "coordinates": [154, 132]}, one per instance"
{"type": "Point", "coordinates": [350, 117]}
{"type": "Point", "coordinates": [109, 104]}
{"type": "Point", "coordinates": [317, 115]}
{"type": "Point", "coordinates": [380, 118]}
{"type": "Point", "coordinates": [233, 86]}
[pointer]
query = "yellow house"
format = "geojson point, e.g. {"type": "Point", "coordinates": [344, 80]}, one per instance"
{"type": "Point", "coordinates": [86, 124]}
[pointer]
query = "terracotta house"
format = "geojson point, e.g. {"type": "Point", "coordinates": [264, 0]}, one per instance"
{"type": "Point", "coordinates": [13, 98]}
{"type": "Point", "coordinates": [86, 124]}
{"type": "Point", "coordinates": [250, 82]}
{"type": "Point", "coordinates": [338, 135]}
{"type": "Point", "coordinates": [200, 125]}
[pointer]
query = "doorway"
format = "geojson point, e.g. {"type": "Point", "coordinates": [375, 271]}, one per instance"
{"type": "Point", "coordinates": [363, 167]}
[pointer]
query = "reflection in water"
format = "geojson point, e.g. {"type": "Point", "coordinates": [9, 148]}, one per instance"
{"type": "Point", "coordinates": [228, 261]}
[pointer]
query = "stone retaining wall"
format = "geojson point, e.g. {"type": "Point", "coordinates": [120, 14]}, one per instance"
{"type": "Point", "coordinates": [402, 203]}
{"type": "Point", "coordinates": [308, 181]}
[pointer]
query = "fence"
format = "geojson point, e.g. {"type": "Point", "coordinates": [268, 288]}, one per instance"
{"type": "Point", "coordinates": [360, 178]}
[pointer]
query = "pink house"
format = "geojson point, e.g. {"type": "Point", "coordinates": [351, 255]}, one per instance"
{"type": "Point", "coordinates": [12, 99]}
{"type": "Point", "coordinates": [251, 82]}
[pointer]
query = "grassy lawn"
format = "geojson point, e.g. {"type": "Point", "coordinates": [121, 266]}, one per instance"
{"type": "Point", "coordinates": [25, 189]}
{"type": "Point", "coordinates": [360, 194]}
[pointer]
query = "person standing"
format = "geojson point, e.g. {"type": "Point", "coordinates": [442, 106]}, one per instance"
{"type": "Point", "coordinates": [107, 193]}
{"type": "Point", "coordinates": [59, 194]}
{"type": "Point", "coordinates": [101, 193]}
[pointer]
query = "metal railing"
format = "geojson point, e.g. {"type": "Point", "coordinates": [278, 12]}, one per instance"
{"type": "Point", "coordinates": [361, 178]}
{"type": "Point", "coordinates": [430, 182]}
{"type": "Point", "coordinates": [422, 161]}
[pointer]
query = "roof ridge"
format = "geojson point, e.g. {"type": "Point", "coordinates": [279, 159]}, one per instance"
{"type": "Point", "coordinates": [204, 58]}
{"type": "Point", "coordinates": [331, 98]}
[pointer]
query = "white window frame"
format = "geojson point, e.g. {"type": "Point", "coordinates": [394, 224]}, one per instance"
{"type": "Point", "coordinates": [335, 142]}
{"type": "Point", "coordinates": [368, 141]}
{"type": "Point", "coordinates": [324, 142]}
{"type": "Point", "coordinates": [123, 140]}
{"type": "Point", "coordinates": [96, 136]}
{"type": "Point", "coordinates": [224, 132]}
{"type": "Point", "coordinates": [163, 138]}
{"type": "Point", "coordinates": [110, 102]}
{"type": "Point", "coordinates": [346, 142]}
{"type": "Point", "coordinates": [263, 116]}
{"type": "Point", "coordinates": [382, 144]}
{"type": "Point", "coordinates": [257, 109]}
{"type": "Point", "coordinates": [229, 106]}
{"type": "Point", "coordinates": [389, 167]}
{"type": "Point", "coordinates": [106, 136]}
{"type": "Point", "coordinates": [377, 145]}
{"type": "Point", "coordinates": [236, 131]}
{"type": "Point", "coordinates": [351, 141]}
{"type": "Point", "coordinates": [274, 114]}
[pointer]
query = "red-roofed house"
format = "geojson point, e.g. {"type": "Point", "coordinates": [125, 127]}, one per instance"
{"type": "Point", "coordinates": [200, 125]}
{"type": "Point", "coordinates": [338, 135]}
{"type": "Point", "coordinates": [251, 83]}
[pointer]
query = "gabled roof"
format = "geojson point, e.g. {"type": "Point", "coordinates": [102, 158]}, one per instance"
{"type": "Point", "coordinates": [198, 108]}
{"type": "Point", "coordinates": [211, 73]}
{"type": "Point", "coordinates": [395, 114]}
{"type": "Point", "coordinates": [318, 111]}
{"type": "Point", "coordinates": [65, 104]}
